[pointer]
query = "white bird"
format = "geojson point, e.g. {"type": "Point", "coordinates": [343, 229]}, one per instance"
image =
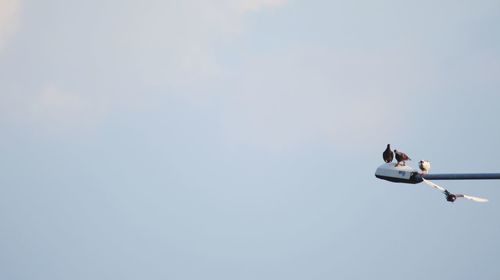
{"type": "Point", "coordinates": [425, 166]}
{"type": "Point", "coordinates": [452, 197]}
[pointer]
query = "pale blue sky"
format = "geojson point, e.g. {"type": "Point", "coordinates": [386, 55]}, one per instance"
{"type": "Point", "coordinates": [239, 139]}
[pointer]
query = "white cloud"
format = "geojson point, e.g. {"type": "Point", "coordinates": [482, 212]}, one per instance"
{"type": "Point", "coordinates": [160, 43]}
{"type": "Point", "coordinates": [244, 6]}
{"type": "Point", "coordinates": [310, 95]}
{"type": "Point", "coordinates": [53, 101]}
{"type": "Point", "coordinates": [176, 42]}
{"type": "Point", "coordinates": [9, 13]}
{"type": "Point", "coordinates": [54, 107]}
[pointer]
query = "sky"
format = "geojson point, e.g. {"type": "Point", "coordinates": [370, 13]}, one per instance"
{"type": "Point", "coordinates": [239, 139]}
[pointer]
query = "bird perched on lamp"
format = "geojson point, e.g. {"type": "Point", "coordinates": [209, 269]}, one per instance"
{"type": "Point", "coordinates": [425, 166]}
{"type": "Point", "coordinates": [401, 157]}
{"type": "Point", "coordinates": [388, 155]}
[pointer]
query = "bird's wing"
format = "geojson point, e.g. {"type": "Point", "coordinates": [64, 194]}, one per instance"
{"type": "Point", "coordinates": [405, 156]}
{"type": "Point", "coordinates": [439, 188]}
{"type": "Point", "coordinates": [473, 198]}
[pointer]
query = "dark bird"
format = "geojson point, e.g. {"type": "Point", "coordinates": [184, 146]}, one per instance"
{"type": "Point", "coordinates": [388, 155]}
{"type": "Point", "coordinates": [451, 197]}
{"type": "Point", "coordinates": [401, 157]}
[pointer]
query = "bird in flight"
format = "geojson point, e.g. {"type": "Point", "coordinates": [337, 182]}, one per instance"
{"type": "Point", "coordinates": [451, 197]}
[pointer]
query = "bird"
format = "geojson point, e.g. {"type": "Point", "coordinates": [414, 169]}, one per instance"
{"type": "Point", "coordinates": [451, 197]}
{"type": "Point", "coordinates": [401, 157]}
{"type": "Point", "coordinates": [388, 155]}
{"type": "Point", "coordinates": [425, 166]}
